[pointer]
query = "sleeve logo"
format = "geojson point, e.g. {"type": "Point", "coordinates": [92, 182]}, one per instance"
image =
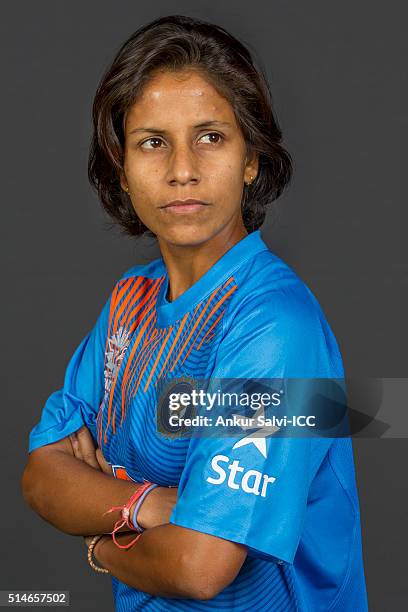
{"type": "Point", "coordinates": [249, 481]}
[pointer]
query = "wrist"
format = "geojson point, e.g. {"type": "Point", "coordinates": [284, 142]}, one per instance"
{"type": "Point", "coordinates": [98, 548]}
{"type": "Point", "coordinates": [146, 513]}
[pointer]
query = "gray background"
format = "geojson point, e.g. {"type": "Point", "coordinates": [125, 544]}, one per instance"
{"type": "Point", "coordinates": [338, 76]}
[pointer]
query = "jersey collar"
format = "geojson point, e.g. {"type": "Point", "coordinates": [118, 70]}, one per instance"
{"type": "Point", "coordinates": [171, 312]}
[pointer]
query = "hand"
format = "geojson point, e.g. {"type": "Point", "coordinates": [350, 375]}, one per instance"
{"type": "Point", "coordinates": [83, 447]}
{"type": "Point", "coordinates": [103, 464]}
{"type": "Point", "coordinates": [156, 507]}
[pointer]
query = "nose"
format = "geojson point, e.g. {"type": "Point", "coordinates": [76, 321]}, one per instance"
{"type": "Point", "coordinates": [183, 166]}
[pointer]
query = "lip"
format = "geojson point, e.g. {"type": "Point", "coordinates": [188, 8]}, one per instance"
{"type": "Point", "coordinates": [188, 205]}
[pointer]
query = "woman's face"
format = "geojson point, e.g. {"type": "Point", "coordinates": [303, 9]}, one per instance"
{"type": "Point", "coordinates": [182, 141]}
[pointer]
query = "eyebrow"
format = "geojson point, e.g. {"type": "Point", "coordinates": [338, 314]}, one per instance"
{"type": "Point", "coordinates": [203, 124]}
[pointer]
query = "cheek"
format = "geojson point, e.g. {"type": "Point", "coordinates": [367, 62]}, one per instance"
{"type": "Point", "coordinates": [228, 170]}
{"type": "Point", "coordinates": [227, 181]}
{"type": "Point", "coordinates": [147, 196]}
{"type": "Point", "coordinates": [144, 181]}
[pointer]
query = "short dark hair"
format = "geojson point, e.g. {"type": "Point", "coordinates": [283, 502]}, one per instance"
{"type": "Point", "coordinates": [172, 43]}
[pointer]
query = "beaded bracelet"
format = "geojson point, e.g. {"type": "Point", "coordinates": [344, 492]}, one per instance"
{"type": "Point", "coordinates": [139, 503]}
{"type": "Point", "coordinates": [91, 547]}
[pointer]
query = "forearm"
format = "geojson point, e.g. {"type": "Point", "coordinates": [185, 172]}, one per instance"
{"type": "Point", "coordinates": [73, 496]}
{"type": "Point", "coordinates": [157, 563]}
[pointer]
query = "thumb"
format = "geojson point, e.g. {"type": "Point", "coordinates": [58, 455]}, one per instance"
{"type": "Point", "coordinates": [104, 465]}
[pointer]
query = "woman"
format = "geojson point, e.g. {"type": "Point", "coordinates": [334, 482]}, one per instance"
{"type": "Point", "coordinates": [186, 149]}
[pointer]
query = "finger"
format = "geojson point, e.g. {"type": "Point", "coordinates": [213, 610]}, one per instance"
{"type": "Point", "coordinates": [75, 446]}
{"type": "Point", "coordinates": [87, 447]}
{"type": "Point", "coordinates": [106, 468]}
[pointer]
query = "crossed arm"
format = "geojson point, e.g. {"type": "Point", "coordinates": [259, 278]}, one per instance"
{"type": "Point", "coordinates": [70, 486]}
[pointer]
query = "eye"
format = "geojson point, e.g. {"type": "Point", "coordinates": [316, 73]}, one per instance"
{"type": "Point", "coordinates": [155, 139]}
{"type": "Point", "coordinates": [218, 136]}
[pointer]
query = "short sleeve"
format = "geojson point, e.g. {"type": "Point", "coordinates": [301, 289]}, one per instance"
{"type": "Point", "coordinates": [254, 491]}
{"type": "Point", "coordinates": [77, 402]}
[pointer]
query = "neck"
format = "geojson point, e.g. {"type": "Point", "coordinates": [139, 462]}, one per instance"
{"type": "Point", "coordinates": [186, 264]}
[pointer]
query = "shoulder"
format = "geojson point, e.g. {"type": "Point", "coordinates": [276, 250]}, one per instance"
{"type": "Point", "coordinates": [275, 315]}
{"type": "Point", "coordinates": [271, 291]}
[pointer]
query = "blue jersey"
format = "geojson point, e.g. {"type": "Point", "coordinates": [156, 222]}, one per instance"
{"type": "Point", "coordinates": [249, 316]}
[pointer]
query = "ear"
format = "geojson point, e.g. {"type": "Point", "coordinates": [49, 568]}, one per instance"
{"type": "Point", "coordinates": [123, 181]}
{"type": "Point", "coordinates": [251, 167]}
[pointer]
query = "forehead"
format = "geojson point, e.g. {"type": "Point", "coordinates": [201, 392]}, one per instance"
{"type": "Point", "coordinates": [178, 97]}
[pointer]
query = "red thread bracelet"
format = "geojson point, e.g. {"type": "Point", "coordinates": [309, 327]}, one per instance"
{"type": "Point", "coordinates": [125, 513]}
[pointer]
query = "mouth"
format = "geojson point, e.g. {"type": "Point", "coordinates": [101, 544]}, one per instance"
{"type": "Point", "coordinates": [184, 206]}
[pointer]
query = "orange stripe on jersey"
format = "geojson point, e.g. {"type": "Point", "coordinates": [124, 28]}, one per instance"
{"type": "Point", "coordinates": [149, 339]}
{"type": "Point", "coordinates": [193, 328]}
{"type": "Point", "coordinates": [149, 297]}
{"type": "Point", "coordinates": [124, 376]}
{"type": "Point", "coordinates": [144, 313]}
{"type": "Point", "coordinates": [126, 372]}
{"type": "Point", "coordinates": [159, 354]}
{"type": "Point", "coordinates": [215, 308]}
{"type": "Point", "coordinates": [112, 306]}
{"type": "Point", "coordinates": [143, 356]}
{"type": "Point", "coordinates": [209, 329]}
{"type": "Point", "coordinates": [213, 311]}
{"type": "Point", "coordinates": [145, 362]}
{"type": "Point", "coordinates": [123, 290]}
{"type": "Point", "coordinates": [132, 309]}
{"type": "Point", "coordinates": [139, 336]}
{"type": "Point", "coordinates": [182, 325]}
{"type": "Point", "coordinates": [152, 294]}
{"type": "Point", "coordinates": [138, 288]}
{"type": "Point", "coordinates": [136, 361]}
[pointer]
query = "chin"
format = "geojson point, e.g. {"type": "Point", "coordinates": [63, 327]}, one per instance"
{"type": "Point", "coordinates": [186, 235]}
